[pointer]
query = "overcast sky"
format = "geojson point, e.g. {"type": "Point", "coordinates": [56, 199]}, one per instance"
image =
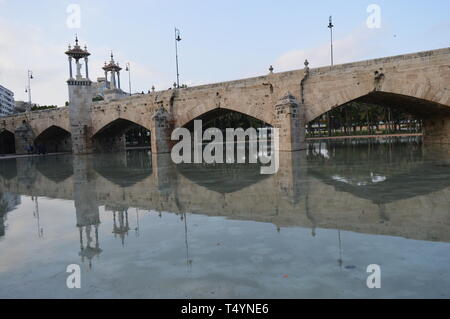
{"type": "Point", "coordinates": [221, 40]}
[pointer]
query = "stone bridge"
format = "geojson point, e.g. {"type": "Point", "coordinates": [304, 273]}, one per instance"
{"type": "Point", "coordinates": [418, 83]}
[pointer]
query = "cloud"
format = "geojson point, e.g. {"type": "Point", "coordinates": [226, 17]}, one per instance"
{"type": "Point", "coordinates": [353, 47]}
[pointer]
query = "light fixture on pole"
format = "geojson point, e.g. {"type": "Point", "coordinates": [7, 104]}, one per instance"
{"type": "Point", "coordinates": [177, 39]}
{"type": "Point", "coordinates": [28, 89]}
{"type": "Point", "coordinates": [128, 69]}
{"type": "Point", "coordinates": [330, 25]}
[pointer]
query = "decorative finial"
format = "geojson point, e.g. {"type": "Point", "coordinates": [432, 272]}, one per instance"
{"type": "Point", "coordinates": [153, 88]}
{"type": "Point", "coordinates": [85, 48]}
{"type": "Point", "coordinates": [76, 39]}
{"type": "Point", "coordinates": [306, 63]}
{"type": "Point", "coordinates": [112, 57]}
{"type": "Point", "coordinates": [271, 69]}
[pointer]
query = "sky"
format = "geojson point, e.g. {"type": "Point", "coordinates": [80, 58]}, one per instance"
{"type": "Point", "coordinates": [221, 40]}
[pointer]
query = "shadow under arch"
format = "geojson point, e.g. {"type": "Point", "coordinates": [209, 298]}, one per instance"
{"type": "Point", "coordinates": [226, 118]}
{"type": "Point", "coordinates": [111, 137]}
{"type": "Point", "coordinates": [7, 142]}
{"type": "Point", "coordinates": [409, 104]}
{"type": "Point", "coordinates": [124, 169]}
{"type": "Point", "coordinates": [420, 108]}
{"type": "Point", "coordinates": [54, 139]}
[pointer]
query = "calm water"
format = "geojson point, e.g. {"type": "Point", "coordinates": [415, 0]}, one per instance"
{"type": "Point", "coordinates": [140, 226]}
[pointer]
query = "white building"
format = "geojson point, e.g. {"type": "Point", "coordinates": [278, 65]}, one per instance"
{"type": "Point", "coordinates": [7, 104]}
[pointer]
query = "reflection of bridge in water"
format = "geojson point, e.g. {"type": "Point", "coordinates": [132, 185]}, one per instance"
{"type": "Point", "coordinates": [407, 197]}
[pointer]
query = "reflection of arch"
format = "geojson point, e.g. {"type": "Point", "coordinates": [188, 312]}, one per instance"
{"type": "Point", "coordinates": [8, 168]}
{"type": "Point", "coordinates": [382, 174]}
{"type": "Point", "coordinates": [56, 168]}
{"type": "Point", "coordinates": [220, 111]}
{"type": "Point", "coordinates": [7, 142]}
{"type": "Point", "coordinates": [422, 180]}
{"type": "Point", "coordinates": [111, 137]}
{"type": "Point", "coordinates": [54, 139]}
{"type": "Point", "coordinates": [222, 178]}
{"type": "Point", "coordinates": [124, 169]}
{"type": "Point", "coordinates": [421, 107]}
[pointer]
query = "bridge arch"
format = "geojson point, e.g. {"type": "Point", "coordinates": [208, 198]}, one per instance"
{"type": "Point", "coordinates": [7, 142]}
{"type": "Point", "coordinates": [112, 136]}
{"type": "Point", "coordinates": [227, 117]}
{"type": "Point", "coordinates": [53, 139]}
{"type": "Point", "coordinates": [420, 110]}
{"type": "Point", "coordinates": [416, 106]}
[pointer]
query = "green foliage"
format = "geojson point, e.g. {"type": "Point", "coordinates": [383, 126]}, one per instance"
{"type": "Point", "coordinates": [97, 98]}
{"type": "Point", "coordinates": [356, 118]}
{"type": "Point", "coordinates": [43, 107]}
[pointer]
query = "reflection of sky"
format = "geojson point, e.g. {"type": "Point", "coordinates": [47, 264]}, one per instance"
{"type": "Point", "coordinates": [230, 259]}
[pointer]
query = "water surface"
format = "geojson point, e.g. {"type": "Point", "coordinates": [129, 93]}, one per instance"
{"type": "Point", "coordinates": [141, 227]}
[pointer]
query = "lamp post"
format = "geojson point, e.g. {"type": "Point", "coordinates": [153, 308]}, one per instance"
{"type": "Point", "coordinates": [177, 39]}
{"type": "Point", "coordinates": [28, 89]}
{"type": "Point", "coordinates": [128, 69]}
{"type": "Point", "coordinates": [330, 25]}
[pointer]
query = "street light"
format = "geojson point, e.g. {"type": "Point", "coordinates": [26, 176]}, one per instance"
{"type": "Point", "coordinates": [177, 39]}
{"type": "Point", "coordinates": [128, 68]}
{"type": "Point", "coordinates": [330, 25]}
{"type": "Point", "coordinates": [28, 88]}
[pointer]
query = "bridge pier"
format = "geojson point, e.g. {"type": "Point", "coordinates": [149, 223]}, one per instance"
{"type": "Point", "coordinates": [23, 137]}
{"type": "Point", "coordinates": [436, 130]}
{"type": "Point", "coordinates": [161, 131]}
{"type": "Point", "coordinates": [80, 97]}
{"type": "Point", "coordinates": [289, 118]}
{"type": "Point", "coordinates": [436, 137]}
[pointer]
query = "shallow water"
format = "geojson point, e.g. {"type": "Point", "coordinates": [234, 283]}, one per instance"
{"type": "Point", "coordinates": [142, 227]}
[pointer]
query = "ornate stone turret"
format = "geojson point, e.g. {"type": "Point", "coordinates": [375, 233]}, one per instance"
{"type": "Point", "coordinates": [80, 99]}
{"type": "Point", "coordinates": [114, 90]}
{"type": "Point", "coordinates": [77, 53]}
